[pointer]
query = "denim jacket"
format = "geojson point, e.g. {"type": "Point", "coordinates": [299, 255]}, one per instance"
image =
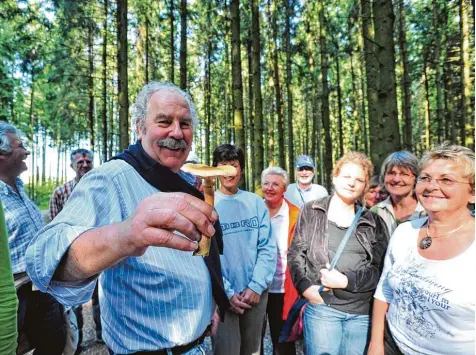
{"type": "Point", "coordinates": [308, 253]}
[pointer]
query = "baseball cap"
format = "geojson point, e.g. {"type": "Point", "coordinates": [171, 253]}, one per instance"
{"type": "Point", "coordinates": [304, 160]}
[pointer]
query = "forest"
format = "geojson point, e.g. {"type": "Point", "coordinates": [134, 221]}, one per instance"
{"type": "Point", "coordinates": [278, 78]}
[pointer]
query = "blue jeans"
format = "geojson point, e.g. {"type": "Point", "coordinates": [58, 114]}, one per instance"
{"type": "Point", "coordinates": [328, 331]}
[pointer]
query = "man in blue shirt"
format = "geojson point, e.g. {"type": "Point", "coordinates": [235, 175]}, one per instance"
{"type": "Point", "coordinates": [303, 190]}
{"type": "Point", "coordinates": [40, 317]}
{"type": "Point", "coordinates": [136, 222]}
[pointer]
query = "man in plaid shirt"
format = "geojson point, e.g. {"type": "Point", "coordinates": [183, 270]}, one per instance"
{"type": "Point", "coordinates": [40, 316]}
{"type": "Point", "coordinates": [82, 161]}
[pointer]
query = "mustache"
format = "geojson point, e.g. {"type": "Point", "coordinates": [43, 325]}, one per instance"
{"type": "Point", "coordinates": [172, 143]}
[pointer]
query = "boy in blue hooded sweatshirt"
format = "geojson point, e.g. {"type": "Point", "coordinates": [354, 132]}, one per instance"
{"type": "Point", "coordinates": [248, 261]}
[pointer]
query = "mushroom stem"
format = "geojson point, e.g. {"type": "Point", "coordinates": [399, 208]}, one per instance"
{"type": "Point", "coordinates": [209, 192]}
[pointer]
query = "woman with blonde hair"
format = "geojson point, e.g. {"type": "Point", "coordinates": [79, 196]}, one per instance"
{"type": "Point", "coordinates": [336, 321]}
{"type": "Point", "coordinates": [424, 303]}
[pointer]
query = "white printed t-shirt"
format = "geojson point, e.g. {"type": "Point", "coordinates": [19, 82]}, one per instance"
{"type": "Point", "coordinates": [432, 302]}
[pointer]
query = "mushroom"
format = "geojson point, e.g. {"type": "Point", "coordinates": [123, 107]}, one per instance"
{"type": "Point", "coordinates": [208, 174]}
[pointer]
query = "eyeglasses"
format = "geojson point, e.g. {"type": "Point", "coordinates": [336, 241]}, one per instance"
{"type": "Point", "coordinates": [442, 182]}
{"type": "Point", "coordinates": [305, 168]}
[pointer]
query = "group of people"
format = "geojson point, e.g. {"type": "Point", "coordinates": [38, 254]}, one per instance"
{"type": "Point", "coordinates": [40, 321]}
{"type": "Point", "coordinates": [370, 283]}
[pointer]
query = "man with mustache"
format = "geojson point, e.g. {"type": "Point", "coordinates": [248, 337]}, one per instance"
{"type": "Point", "coordinates": [39, 315]}
{"type": "Point", "coordinates": [82, 163]}
{"type": "Point", "coordinates": [304, 190]}
{"type": "Point", "coordinates": [135, 222]}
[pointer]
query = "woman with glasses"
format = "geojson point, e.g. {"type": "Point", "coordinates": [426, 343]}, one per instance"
{"type": "Point", "coordinates": [336, 321]}
{"type": "Point", "coordinates": [425, 301]}
{"type": "Point", "coordinates": [398, 174]}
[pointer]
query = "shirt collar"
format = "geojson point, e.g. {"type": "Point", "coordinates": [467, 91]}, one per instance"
{"type": "Point", "coordinates": [6, 189]}
{"type": "Point", "coordinates": [387, 204]}
{"type": "Point", "coordinates": [308, 189]}
{"type": "Point", "coordinates": [283, 210]}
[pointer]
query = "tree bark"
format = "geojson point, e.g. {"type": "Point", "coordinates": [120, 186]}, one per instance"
{"type": "Point", "coordinates": [465, 72]}
{"type": "Point", "coordinates": [33, 143]}
{"type": "Point", "coordinates": [258, 103]}
{"type": "Point", "coordinates": [289, 89]}
{"type": "Point", "coordinates": [91, 87]}
{"type": "Point", "coordinates": [237, 81]}
{"type": "Point", "coordinates": [183, 45]}
{"type": "Point", "coordinates": [438, 72]}
{"type": "Point", "coordinates": [172, 42]}
{"type": "Point", "coordinates": [251, 119]}
{"type": "Point", "coordinates": [406, 82]}
{"type": "Point", "coordinates": [122, 83]}
{"type": "Point", "coordinates": [277, 88]}
{"type": "Point", "coordinates": [104, 84]}
{"type": "Point", "coordinates": [339, 104]}
{"type": "Point", "coordinates": [427, 106]}
{"type": "Point", "coordinates": [384, 130]}
{"type": "Point", "coordinates": [325, 95]}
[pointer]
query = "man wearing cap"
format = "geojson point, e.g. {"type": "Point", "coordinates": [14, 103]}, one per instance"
{"type": "Point", "coordinates": [304, 190]}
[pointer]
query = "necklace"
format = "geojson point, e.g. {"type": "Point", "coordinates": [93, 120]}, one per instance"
{"type": "Point", "coordinates": [426, 242]}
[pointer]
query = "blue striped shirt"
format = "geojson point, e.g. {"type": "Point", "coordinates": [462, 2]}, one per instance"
{"type": "Point", "coordinates": [157, 301]}
{"type": "Point", "coordinates": [23, 221]}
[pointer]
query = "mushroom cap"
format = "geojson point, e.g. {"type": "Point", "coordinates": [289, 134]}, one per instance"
{"type": "Point", "coordinates": [205, 171]}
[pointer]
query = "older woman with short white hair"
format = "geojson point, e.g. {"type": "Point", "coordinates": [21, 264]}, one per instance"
{"type": "Point", "coordinates": [282, 294]}
{"type": "Point", "coordinates": [425, 300]}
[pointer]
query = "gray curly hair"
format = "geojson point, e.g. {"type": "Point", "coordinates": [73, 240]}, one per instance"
{"type": "Point", "coordinates": [141, 104]}
{"type": "Point", "coordinates": [5, 129]}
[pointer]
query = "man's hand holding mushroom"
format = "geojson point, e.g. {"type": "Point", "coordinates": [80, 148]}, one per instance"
{"type": "Point", "coordinates": [158, 216]}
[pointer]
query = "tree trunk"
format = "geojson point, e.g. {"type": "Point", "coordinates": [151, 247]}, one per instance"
{"type": "Point", "coordinates": [237, 81]}
{"type": "Point", "coordinates": [228, 123]}
{"type": "Point", "coordinates": [465, 72]}
{"type": "Point", "coordinates": [208, 90]}
{"type": "Point", "coordinates": [384, 130]}
{"type": "Point", "coordinates": [111, 127]}
{"type": "Point", "coordinates": [183, 45]}
{"type": "Point", "coordinates": [289, 90]}
{"type": "Point", "coordinates": [147, 55]}
{"type": "Point", "coordinates": [33, 145]}
{"type": "Point", "coordinates": [43, 157]}
{"type": "Point", "coordinates": [251, 119]}
{"type": "Point", "coordinates": [427, 107]}
{"type": "Point", "coordinates": [325, 95]}
{"type": "Point", "coordinates": [172, 42]}
{"type": "Point", "coordinates": [277, 88]}
{"type": "Point", "coordinates": [439, 73]}
{"type": "Point", "coordinates": [258, 103]}
{"type": "Point", "coordinates": [406, 82]}
{"type": "Point", "coordinates": [58, 163]}
{"type": "Point", "coordinates": [371, 67]}
{"type": "Point", "coordinates": [104, 85]}
{"type": "Point", "coordinates": [91, 87]}
{"type": "Point", "coordinates": [122, 83]}
{"type": "Point", "coordinates": [339, 104]}
{"type": "Point", "coordinates": [354, 98]}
